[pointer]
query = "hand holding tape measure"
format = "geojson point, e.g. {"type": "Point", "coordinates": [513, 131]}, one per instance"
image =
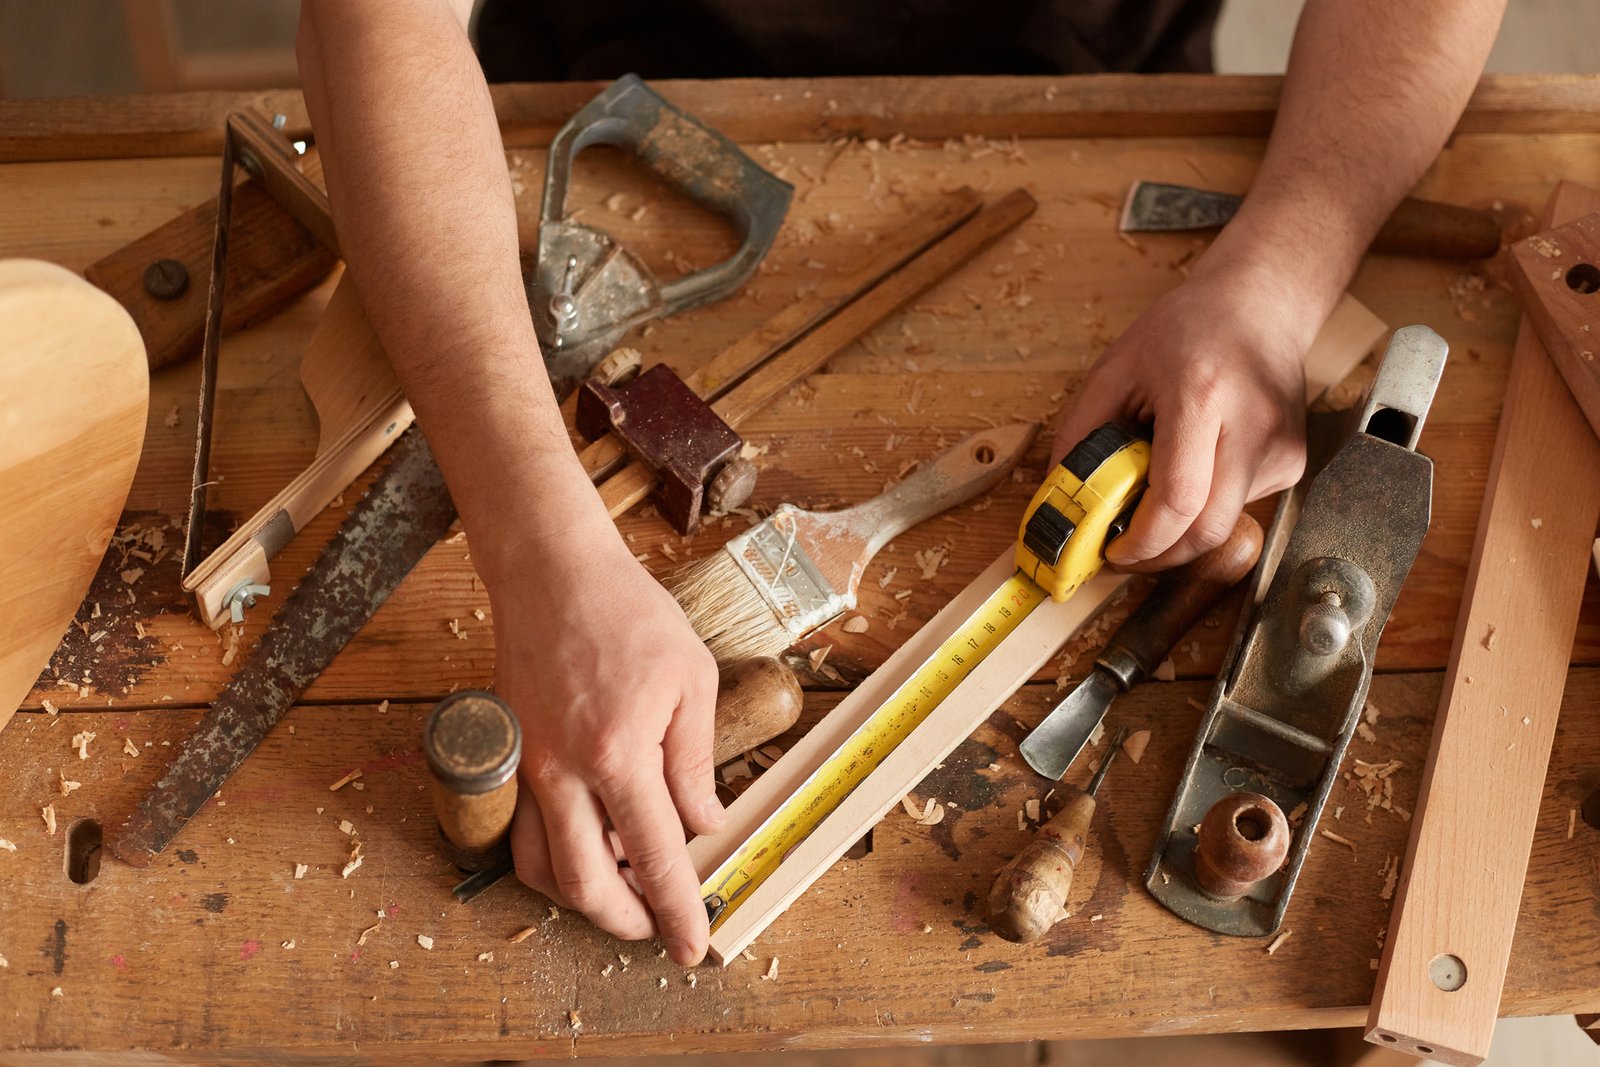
{"type": "Point", "coordinates": [1086, 501]}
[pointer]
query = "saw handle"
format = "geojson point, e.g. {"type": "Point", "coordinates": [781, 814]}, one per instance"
{"type": "Point", "coordinates": [1177, 602]}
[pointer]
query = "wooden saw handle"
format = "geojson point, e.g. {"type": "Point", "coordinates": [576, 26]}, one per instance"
{"type": "Point", "coordinates": [1178, 601]}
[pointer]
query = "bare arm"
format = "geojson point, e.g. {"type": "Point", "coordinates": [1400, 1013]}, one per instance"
{"type": "Point", "coordinates": [1373, 89]}
{"type": "Point", "coordinates": [614, 690]}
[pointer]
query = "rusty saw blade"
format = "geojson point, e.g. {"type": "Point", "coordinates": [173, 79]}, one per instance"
{"type": "Point", "coordinates": [404, 514]}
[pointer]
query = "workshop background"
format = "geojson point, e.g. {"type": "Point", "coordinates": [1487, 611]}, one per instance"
{"type": "Point", "coordinates": [86, 47]}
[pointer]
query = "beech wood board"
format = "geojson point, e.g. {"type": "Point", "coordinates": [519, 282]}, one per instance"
{"type": "Point", "coordinates": [962, 357]}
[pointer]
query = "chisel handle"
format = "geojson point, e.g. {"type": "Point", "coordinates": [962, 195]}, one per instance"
{"type": "Point", "coordinates": [1030, 894]}
{"type": "Point", "coordinates": [473, 744]}
{"type": "Point", "coordinates": [1445, 231]}
{"type": "Point", "coordinates": [1177, 602]}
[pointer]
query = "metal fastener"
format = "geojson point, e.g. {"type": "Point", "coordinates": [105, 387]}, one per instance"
{"type": "Point", "coordinates": [166, 279]}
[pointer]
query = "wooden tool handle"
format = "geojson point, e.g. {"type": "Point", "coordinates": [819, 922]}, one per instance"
{"type": "Point", "coordinates": [959, 473]}
{"type": "Point", "coordinates": [1446, 231]}
{"type": "Point", "coordinates": [1243, 838]}
{"type": "Point", "coordinates": [1030, 894]}
{"type": "Point", "coordinates": [756, 701]}
{"type": "Point", "coordinates": [1177, 602]}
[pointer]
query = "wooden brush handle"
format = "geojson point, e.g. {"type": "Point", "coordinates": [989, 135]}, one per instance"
{"type": "Point", "coordinates": [1177, 602]}
{"type": "Point", "coordinates": [959, 473]}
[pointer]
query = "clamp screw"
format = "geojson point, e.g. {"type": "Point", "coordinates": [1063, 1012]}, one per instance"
{"type": "Point", "coordinates": [243, 596]}
{"type": "Point", "coordinates": [1324, 627]}
{"type": "Point", "coordinates": [166, 279]}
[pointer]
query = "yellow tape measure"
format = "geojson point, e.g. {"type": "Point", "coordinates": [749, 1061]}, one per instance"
{"type": "Point", "coordinates": [1084, 502]}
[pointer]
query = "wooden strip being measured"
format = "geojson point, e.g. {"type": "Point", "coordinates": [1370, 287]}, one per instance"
{"type": "Point", "coordinates": [635, 481]}
{"type": "Point", "coordinates": [1343, 343]}
{"type": "Point", "coordinates": [814, 109]}
{"type": "Point", "coordinates": [1456, 908]}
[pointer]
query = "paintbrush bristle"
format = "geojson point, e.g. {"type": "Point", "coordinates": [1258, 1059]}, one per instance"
{"type": "Point", "coordinates": [727, 610]}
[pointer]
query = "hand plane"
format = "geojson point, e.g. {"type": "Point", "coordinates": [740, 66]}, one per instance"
{"type": "Point", "coordinates": [1295, 681]}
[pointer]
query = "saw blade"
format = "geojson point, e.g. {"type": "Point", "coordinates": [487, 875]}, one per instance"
{"type": "Point", "coordinates": [404, 514]}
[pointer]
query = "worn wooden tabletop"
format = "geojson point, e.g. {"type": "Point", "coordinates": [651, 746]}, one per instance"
{"type": "Point", "coordinates": [218, 947]}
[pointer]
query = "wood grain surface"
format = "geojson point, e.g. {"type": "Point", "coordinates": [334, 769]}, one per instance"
{"type": "Point", "coordinates": [1008, 337]}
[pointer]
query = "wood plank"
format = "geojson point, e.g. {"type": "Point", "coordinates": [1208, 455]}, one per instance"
{"type": "Point", "coordinates": [162, 959]}
{"type": "Point", "coordinates": [1484, 778]}
{"type": "Point", "coordinates": [1557, 278]}
{"type": "Point", "coordinates": [815, 109]}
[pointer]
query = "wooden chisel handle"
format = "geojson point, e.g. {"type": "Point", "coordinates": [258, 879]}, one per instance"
{"type": "Point", "coordinates": [1177, 602]}
{"type": "Point", "coordinates": [756, 701]}
{"type": "Point", "coordinates": [1445, 231]}
{"type": "Point", "coordinates": [1030, 894]}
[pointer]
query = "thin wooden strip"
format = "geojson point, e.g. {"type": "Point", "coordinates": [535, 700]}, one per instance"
{"type": "Point", "coordinates": [759, 110]}
{"type": "Point", "coordinates": [1473, 828]}
{"type": "Point", "coordinates": [602, 457]}
{"type": "Point", "coordinates": [635, 481]}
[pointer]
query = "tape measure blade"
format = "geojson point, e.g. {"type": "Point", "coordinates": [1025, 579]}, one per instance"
{"type": "Point", "coordinates": [885, 728]}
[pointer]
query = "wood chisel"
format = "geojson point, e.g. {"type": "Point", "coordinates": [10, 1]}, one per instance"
{"type": "Point", "coordinates": [472, 742]}
{"type": "Point", "coordinates": [1417, 227]}
{"type": "Point", "coordinates": [1177, 602]}
{"type": "Point", "coordinates": [799, 570]}
{"type": "Point", "coordinates": [1030, 893]}
{"type": "Point", "coordinates": [1084, 503]}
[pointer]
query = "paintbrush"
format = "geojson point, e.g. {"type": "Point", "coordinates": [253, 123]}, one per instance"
{"type": "Point", "coordinates": [799, 570]}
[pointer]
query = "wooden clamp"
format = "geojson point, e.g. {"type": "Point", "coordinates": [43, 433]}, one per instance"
{"type": "Point", "coordinates": [1455, 912]}
{"type": "Point", "coordinates": [273, 257]}
{"type": "Point", "coordinates": [1557, 275]}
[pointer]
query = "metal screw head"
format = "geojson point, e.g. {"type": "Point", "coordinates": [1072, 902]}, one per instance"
{"type": "Point", "coordinates": [166, 279]}
{"type": "Point", "coordinates": [1324, 627]}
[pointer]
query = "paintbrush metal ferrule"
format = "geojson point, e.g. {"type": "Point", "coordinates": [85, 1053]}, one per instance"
{"type": "Point", "coordinates": [785, 576]}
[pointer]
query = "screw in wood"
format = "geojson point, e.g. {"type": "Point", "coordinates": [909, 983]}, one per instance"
{"type": "Point", "coordinates": [166, 279]}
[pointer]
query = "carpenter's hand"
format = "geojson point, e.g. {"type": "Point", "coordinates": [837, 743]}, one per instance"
{"type": "Point", "coordinates": [1215, 365]}
{"type": "Point", "coordinates": [616, 695]}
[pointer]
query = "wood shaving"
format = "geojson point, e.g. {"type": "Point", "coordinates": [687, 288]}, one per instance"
{"type": "Point", "coordinates": [383, 707]}
{"type": "Point", "coordinates": [50, 709]}
{"type": "Point", "coordinates": [1135, 745]}
{"type": "Point", "coordinates": [425, 941]}
{"type": "Point", "coordinates": [356, 859]}
{"type": "Point", "coordinates": [883, 583]}
{"type": "Point", "coordinates": [855, 624]}
{"type": "Point", "coordinates": [1365, 732]}
{"type": "Point", "coordinates": [300, 870]}
{"type": "Point", "coordinates": [80, 741]}
{"type": "Point", "coordinates": [289, 943]}
{"type": "Point", "coordinates": [522, 935]}
{"type": "Point", "coordinates": [67, 786]}
{"type": "Point", "coordinates": [932, 560]}
{"type": "Point", "coordinates": [661, 983]}
{"type": "Point", "coordinates": [1391, 876]}
{"type": "Point", "coordinates": [1097, 733]}
{"type": "Point", "coordinates": [605, 972]}
{"type": "Point", "coordinates": [1278, 941]}
{"type": "Point", "coordinates": [346, 827]}
{"type": "Point", "coordinates": [772, 971]}
{"type": "Point", "coordinates": [1031, 809]}
{"type": "Point", "coordinates": [1297, 816]}
{"type": "Point", "coordinates": [346, 780]}
{"type": "Point", "coordinates": [575, 1021]}
{"type": "Point", "coordinates": [1572, 823]}
{"type": "Point", "coordinates": [394, 965]}
{"type": "Point", "coordinates": [1166, 671]}
{"type": "Point", "coordinates": [1341, 840]}
{"type": "Point", "coordinates": [9, 847]}
{"type": "Point", "coordinates": [555, 913]}
{"type": "Point", "coordinates": [129, 747]}
{"type": "Point", "coordinates": [368, 932]}
{"type": "Point", "coordinates": [693, 979]}
{"type": "Point", "coordinates": [49, 816]}
{"type": "Point", "coordinates": [1097, 918]}
{"type": "Point", "coordinates": [1488, 639]}
{"type": "Point", "coordinates": [736, 770]}
{"type": "Point", "coordinates": [4, 962]}
{"type": "Point", "coordinates": [56, 992]}
{"type": "Point", "coordinates": [818, 656]}
{"type": "Point", "coordinates": [746, 954]}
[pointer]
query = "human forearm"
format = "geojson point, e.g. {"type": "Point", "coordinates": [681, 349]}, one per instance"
{"type": "Point", "coordinates": [426, 217]}
{"type": "Point", "coordinates": [1373, 89]}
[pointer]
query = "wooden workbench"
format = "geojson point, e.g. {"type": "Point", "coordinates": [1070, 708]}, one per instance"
{"type": "Point", "coordinates": [217, 947]}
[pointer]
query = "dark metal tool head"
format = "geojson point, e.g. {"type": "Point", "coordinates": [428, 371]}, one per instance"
{"type": "Point", "coordinates": [1105, 765]}
{"type": "Point", "coordinates": [1057, 741]}
{"type": "Point", "coordinates": [1158, 207]}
